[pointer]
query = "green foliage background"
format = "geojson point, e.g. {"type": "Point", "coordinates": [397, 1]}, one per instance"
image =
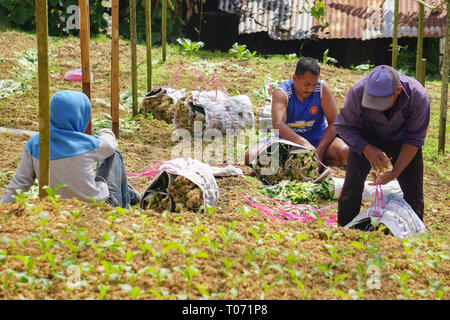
{"type": "Point", "coordinates": [21, 14]}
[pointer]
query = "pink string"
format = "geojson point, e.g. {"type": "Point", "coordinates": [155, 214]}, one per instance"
{"type": "Point", "coordinates": [270, 87]}
{"type": "Point", "coordinates": [153, 171]}
{"type": "Point", "coordinates": [283, 214]}
{"type": "Point", "coordinates": [175, 75]}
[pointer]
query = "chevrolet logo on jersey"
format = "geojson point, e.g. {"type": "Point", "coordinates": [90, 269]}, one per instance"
{"type": "Point", "coordinates": [301, 126]}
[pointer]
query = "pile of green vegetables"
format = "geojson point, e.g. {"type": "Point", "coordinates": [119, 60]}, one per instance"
{"type": "Point", "coordinates": [291, 166]}
{"type": "Point", "coordinates": [297, 192]}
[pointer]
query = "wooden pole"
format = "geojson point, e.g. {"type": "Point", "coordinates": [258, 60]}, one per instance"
{"type": "Point", "coordinates": [395, 35]}
{"type": "Point", "coordinates": [164, 29]}
{"type": "Point", "coordinates": [423, 71]}
{"type": "Point", "coordinates": [44, 102]}
{"type": "Point", "coordinates": [83, 6]}
{"type": "Point", "coordinates": [115, 90]}
{"type": "Point", "coordinates": [148, 40]}
{"type": "Point", "coordinates": [444, 88]}
{"type": "Point", "coordinates": [420, 26]}
{"type": "Point", "coordinates": [133, 56]}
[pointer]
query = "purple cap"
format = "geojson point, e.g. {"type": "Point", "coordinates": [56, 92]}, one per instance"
{"type": "Point", "coordinates": [381, 85]}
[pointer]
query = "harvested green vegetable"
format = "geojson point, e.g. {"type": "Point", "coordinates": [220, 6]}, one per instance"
{"type": "Point", "coordinates": [185, 194]}
{"type": "Point", "coordinates": [159, 202]}
{"type": "Point", "coordinates": [297, 192]}
{"type": "Point", "coordinates": [297, 166]}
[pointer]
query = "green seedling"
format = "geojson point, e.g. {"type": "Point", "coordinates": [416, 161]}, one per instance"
{"type": "Point", "coordinates": [228, 265]}
{"type": "Point", "coordinates": [350, 295]}
{"type": "Point", "coordinates": [111, 271]}
{"type": "Point", "coordinates": [229, 235]}
{"type": "Point", "coordinates": [278, 280]}
{"type": "Point", "coordinates": [165, 293]}
{"type": "Point", "coordinates": [6, 278]}
{"type": "Point", "coordinates": [305, 295]}
{"type": "Point", "coordinates": [103, 290]}
{"type": "Point", "coordinates": [3, 257]}
{"type": "Point", "coordinates": [129, 255]}
{"type": "Point", "coordinates": [27, 261]}
{"type": "Point", "coordinates": [133, 276]}
{"type": "Point", "coordinates": [160, 274]}
{"type": "Point", "coordinates": [213, 245]}
{"type": "Point", "coordinates": [437, 288]}
{"type": "Point", "coordinates": [194, 254]}
{"type": "Point", "coordinates": [44, 244]}
{"type": "Point", "coordinates": [256, 232]}
{"type": "Point", "coordinates": [133, 292]}
{"type": "Point", "coordinates": [234, 286]}
{"type": "Point", "coordinates": [247, 212]}
{"type": "Point", "coordinates": [52, 195]}
{"type": "Point", "coordinates": [188, 273]}
{"type": "Point", "coordinates": [326, 269]}
{"type": "Point", "coordinates": [403, 280]}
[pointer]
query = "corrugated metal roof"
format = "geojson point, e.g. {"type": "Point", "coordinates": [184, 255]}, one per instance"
{"type": "Point", "coordinates": [369, 19]}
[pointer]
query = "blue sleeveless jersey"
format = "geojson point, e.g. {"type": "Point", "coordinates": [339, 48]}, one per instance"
{"type": "Point", "coordinates": [306, 119]}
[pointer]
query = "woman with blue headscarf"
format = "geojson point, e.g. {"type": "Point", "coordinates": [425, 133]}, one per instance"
{"type": "Point", "coordinates": [73, 155]}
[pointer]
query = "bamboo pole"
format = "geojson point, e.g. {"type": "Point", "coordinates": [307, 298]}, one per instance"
{"type": "Point", "coordinates": [83, 6]}
{"type": "Point", "coordinates": [44, 102]}
{"type": "Point", "coordinates": [148, 40]}
{"type": "Point", "coordinates": [395, 35]}
{"type": "Point", "coordinates": [133, 56]}
{"type": "Point", "coordinates": [444, 88]}
{"type": "Point", "coordinates": [115, 90]}
{"type": "Point", "coordinates": [164, 29]}
{"type": "Point", "coordinates": [420, 26]}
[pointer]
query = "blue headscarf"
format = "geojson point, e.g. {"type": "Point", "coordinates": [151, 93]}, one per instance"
{"type": "Point", "coordinates": [70, 112]}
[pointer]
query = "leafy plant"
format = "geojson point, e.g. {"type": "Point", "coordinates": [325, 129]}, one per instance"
{"type": "Point", "coordinates": [326, 59]}
{"type": "Point", "coordinates": [188, 46]}
{"type": "Point", "coordinates": [240, 52]}
{"type": "Point", "coordinates": [189, 272]}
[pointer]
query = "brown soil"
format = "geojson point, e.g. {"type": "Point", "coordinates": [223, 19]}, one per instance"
{"type": "Point", "coordinates": [133, 228]}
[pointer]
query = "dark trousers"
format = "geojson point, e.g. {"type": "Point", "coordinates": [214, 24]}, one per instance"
{"type": "Point", "coordinates": [112, 170]}
{"type": "Point", "coordinates": [358, 167]}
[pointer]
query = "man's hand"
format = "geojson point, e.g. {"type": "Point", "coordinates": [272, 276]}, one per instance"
{"type": "Point", "coordinates": [383, 178]}
{"type": "Point", "coordinates": [377, 159]}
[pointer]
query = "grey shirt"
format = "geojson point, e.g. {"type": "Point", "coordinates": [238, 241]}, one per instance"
{"type": "Point", "coordinates": [408, 119]}
{"type": "Point", "coordinates": [77, 172]}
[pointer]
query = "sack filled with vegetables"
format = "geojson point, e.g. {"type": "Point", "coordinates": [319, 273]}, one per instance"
{"type": "Point", "coordinates": [163, 102]}
{"type": "Point", "coordinates": [278, 159]}
{"type": "Point", "coordinates": [181, 185]}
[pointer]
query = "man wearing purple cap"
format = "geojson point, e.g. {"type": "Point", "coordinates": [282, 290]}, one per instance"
{"type": "Point", "coordinates": [385, 115]}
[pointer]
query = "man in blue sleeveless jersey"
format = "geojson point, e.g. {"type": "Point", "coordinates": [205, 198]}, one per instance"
{"type": "Point", "coordinates": [299, 109]}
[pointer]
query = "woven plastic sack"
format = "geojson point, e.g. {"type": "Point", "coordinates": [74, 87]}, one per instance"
{"type": "Point", "coordinates": [276, 171]}
{"type": "Point", "coordinates": [197, 172]}
{"type": "Point", "coordinates": [396, 214]}
{"type": "Point", "coordinates": [220, 111]}
{"type": "Point", "coordinates": [163, 102]}
{"type": "Point", "coordinates": [265, 120]}
{"type": "Point", "coordinates": [368, 194]}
